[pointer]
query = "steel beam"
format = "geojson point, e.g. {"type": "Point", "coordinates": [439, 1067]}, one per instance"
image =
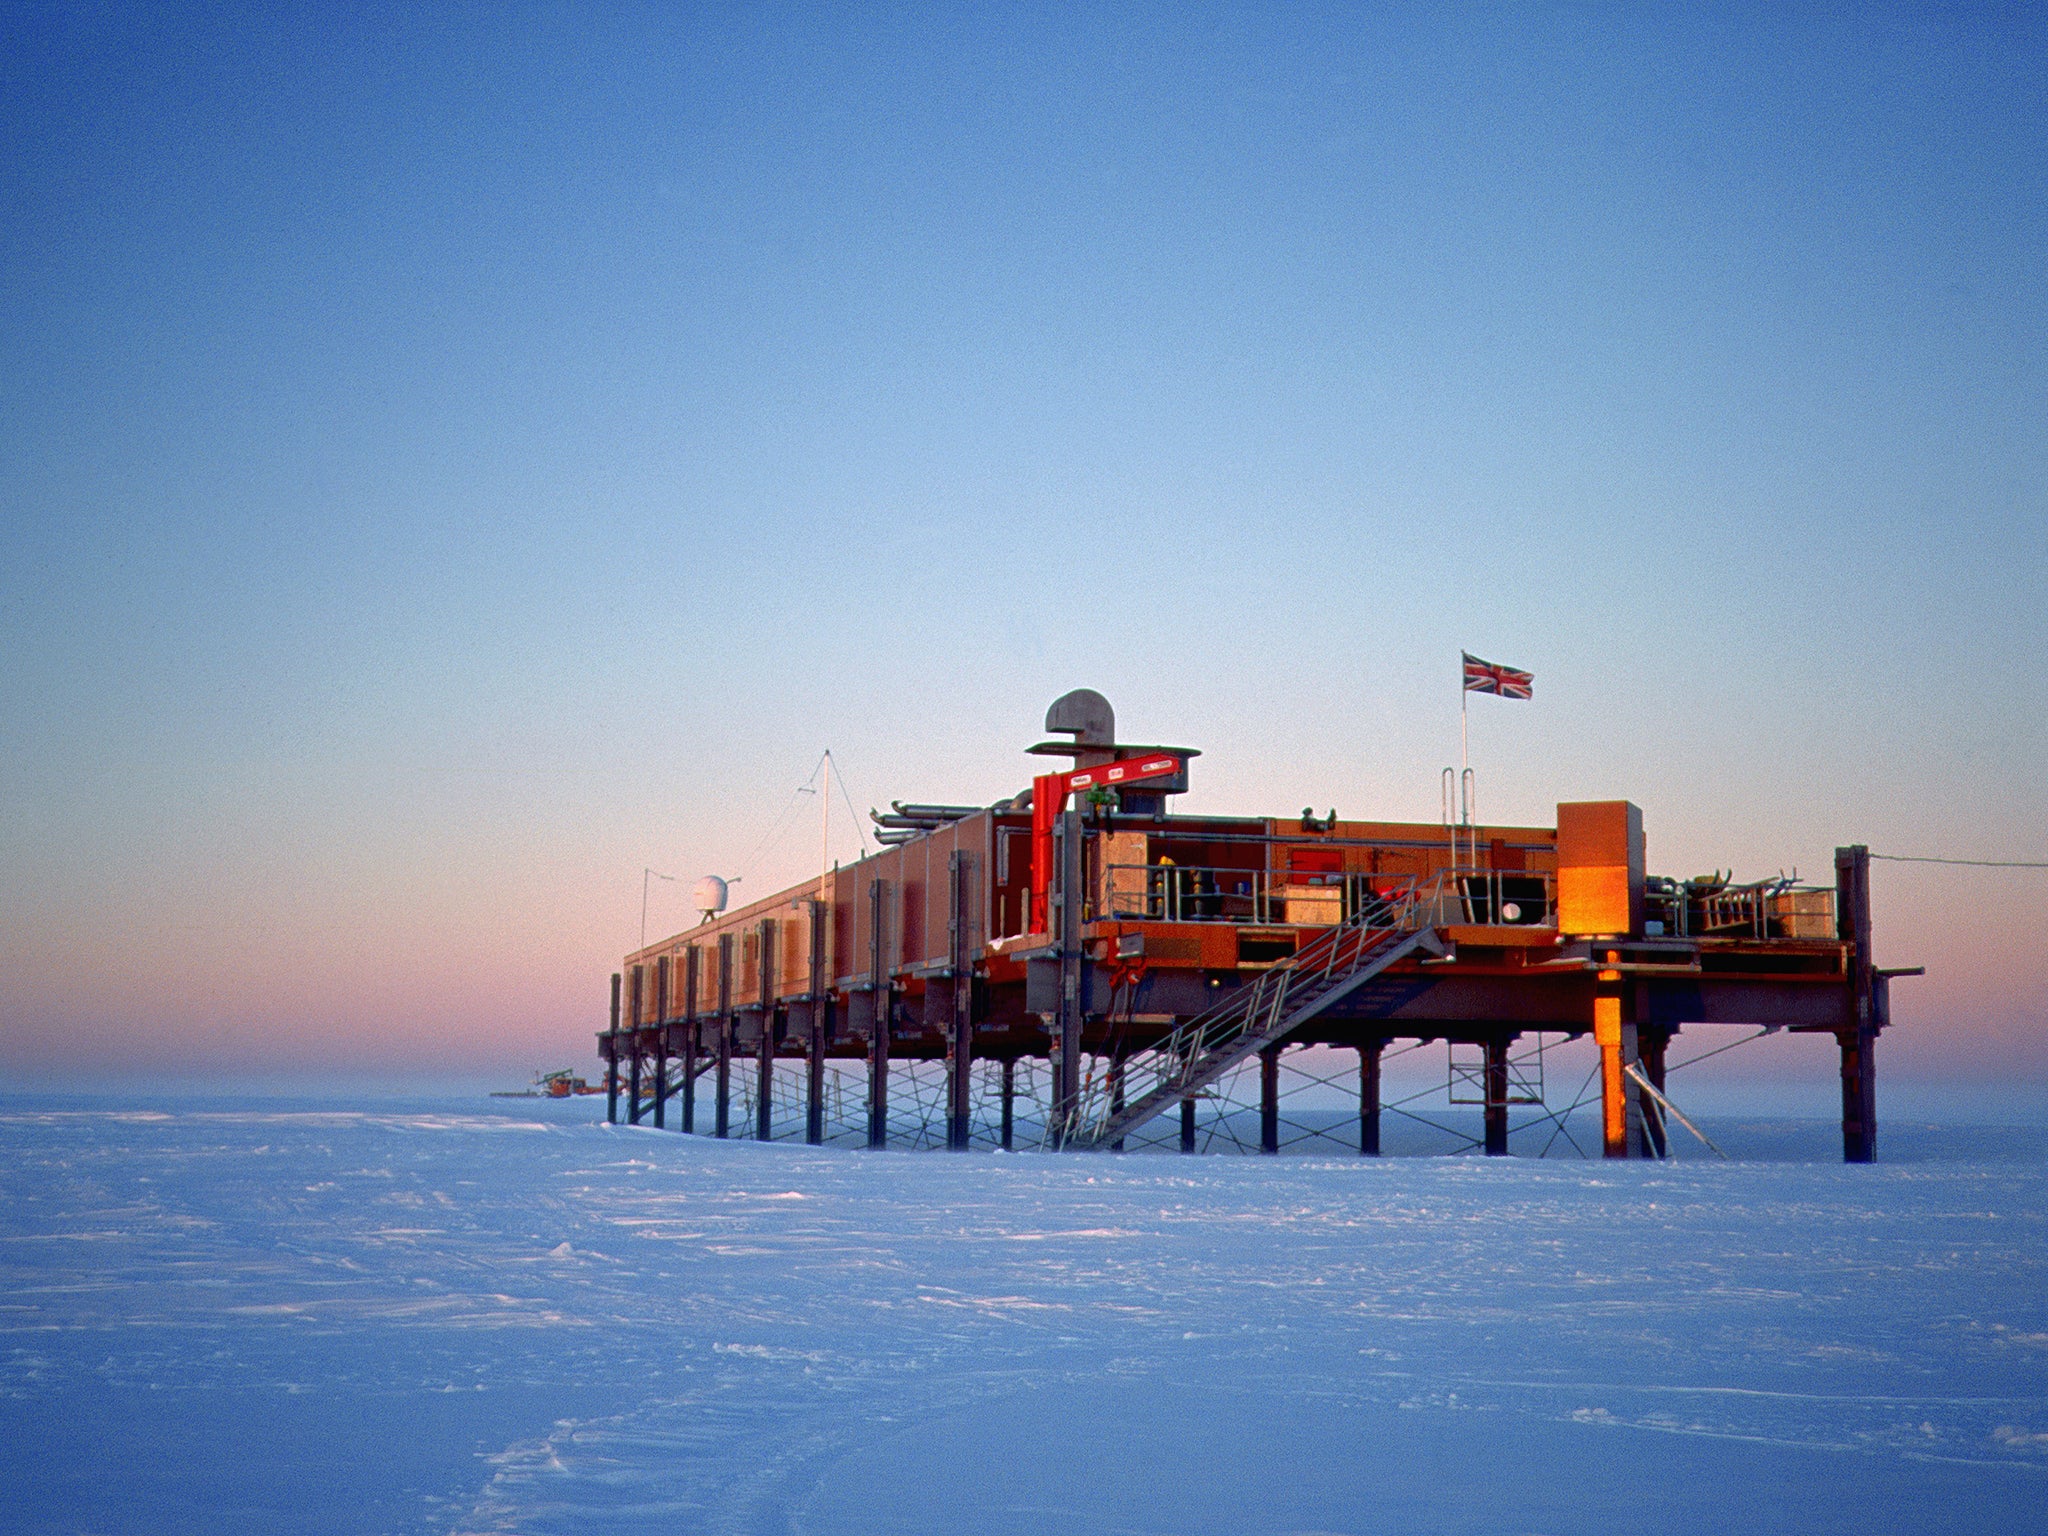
{"type": "Point", "coordinates": [1187, 1125]}
{"type": "Point", "coordinates": [1009, 1103]}
{"type": "Point", "coordinates": [1369, 1097]}
{"type": "Point", "coordinates": [1497, 1094]}
{"type": "Point", "coordinates": [1116, 1092]}
{"type": "Point", "coordinates": [1653, 1043]}
{"type": "Point", "coordinates": [1066, 902]}
{"type": "Point", "coordinates": [1269, 1100]}
{"type": "Point", "coordinates": [661, 1043]}
{"type": "Point", "coordinates": [1858, 1037]}
{"type": "Point", "coordinates": [1621, 1113]}
{"type": "Point", "coordinates": [764, 1119]}
{"type": "Point", "coordinates": [960, 1033]}
{"type": "Point", "coordinates": [820, 1024]}
{"type": "Point", "coordinates": [611, 1060]}
{"type": "Point", "coordinates": [691, 965]}
{"type": "Point", "coordinates": [633, 1097]}
{"type": "Point", "coordinates": [878, 1031]}
{"type": "Point", "coordinates": [722, 1107]}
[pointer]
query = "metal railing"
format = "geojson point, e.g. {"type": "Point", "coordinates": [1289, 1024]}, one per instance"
{"type": "Point", "coordinates": [1184, 893]}
{"type": "Point", "coordinates": [1712, 907]}
{"type": "Point", "coordinates": [1200, 1048]}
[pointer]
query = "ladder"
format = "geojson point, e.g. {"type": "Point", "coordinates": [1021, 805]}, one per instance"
{"type": "Point", "coordinates": [1322, 973]}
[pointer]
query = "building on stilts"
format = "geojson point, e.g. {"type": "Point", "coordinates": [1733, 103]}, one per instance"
{"type": "Point", "coordinates": [1079, 967]}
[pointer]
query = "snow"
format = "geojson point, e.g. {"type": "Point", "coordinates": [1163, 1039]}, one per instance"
{"type": "Point", "coordinates": [292, 1317]}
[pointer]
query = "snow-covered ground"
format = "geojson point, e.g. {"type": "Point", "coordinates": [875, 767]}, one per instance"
{"type": "Point", "coordinates": [283, 1317]}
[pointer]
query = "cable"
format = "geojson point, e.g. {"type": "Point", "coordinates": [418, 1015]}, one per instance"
{"type": "Point", "coordinates": [1769, 1029]}
{"type": "Point", "coordinates": [1907, 858]}
{"type": "Point", "coordinates": [847, 795]}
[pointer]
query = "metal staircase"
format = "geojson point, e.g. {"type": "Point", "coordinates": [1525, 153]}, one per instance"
{"type": "Point", "coordinates": [1324, 972]}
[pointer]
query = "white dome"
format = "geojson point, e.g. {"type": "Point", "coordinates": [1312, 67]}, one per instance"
{"type": "Point", "coordinates": [709, 894]}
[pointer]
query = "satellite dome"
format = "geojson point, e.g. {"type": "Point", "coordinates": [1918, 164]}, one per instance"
{"type": "Point", "coordinates": [709, 894]}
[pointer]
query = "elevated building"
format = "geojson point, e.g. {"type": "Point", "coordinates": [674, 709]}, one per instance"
{"type": "Point", "coordinates": [1141, 956]}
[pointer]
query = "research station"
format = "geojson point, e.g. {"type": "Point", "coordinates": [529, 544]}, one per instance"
{"type": "Point", "coordinates": [1080, 968]}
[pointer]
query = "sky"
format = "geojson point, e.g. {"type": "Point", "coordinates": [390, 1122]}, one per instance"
{"type": "Point", "coordinates": [456, 461]}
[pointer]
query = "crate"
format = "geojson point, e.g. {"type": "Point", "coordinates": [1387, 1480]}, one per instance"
{"type": "Point", "coordinates": [1803, 915]}
{"type": "Point", "coordinates": [1321, 904]}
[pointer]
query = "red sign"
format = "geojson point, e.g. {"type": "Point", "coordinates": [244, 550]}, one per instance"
{"type": "Point", "coordinates": [1125, 772]}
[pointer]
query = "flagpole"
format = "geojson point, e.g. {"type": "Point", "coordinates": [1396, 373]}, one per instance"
{"type": "Point", "coordinates": [1464, 760]}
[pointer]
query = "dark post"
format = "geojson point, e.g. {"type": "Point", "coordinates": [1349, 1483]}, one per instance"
{"type": "Point", "coordinates": [878, 1033]}
{"type": "Point", "coordinates": [960, 1036]}
{"type": "Point", "coordinates": [1116, 1092]}
{"type": "Point", "coordinates": [1009, 1102]}
{"type": "Point", "coordinates": [764, 1121]}
{"type": "Point", "coordinates": [1652, 1041]}
{"type": "Point", "coordinates": [690, 983]}
{"type": "Point", "coordinates": [722, 1109]}
{"type": "Point", "coordinates": [1269, 1099]}
{"type": "Point", "coordinates": [661, 1043]}
{"type": "Point", "coordinates": [633, 1092]}
{"type": "Point", "coordinates": [1187, 1125]}
{"type": "Point", "coordinates": [1858, 1036]}
{"type": "Point", "coordinates": [611, 1060]}
{"type": "Point", "coordinates": [1497, 1094]}
{"type": "Point", "coordinates": [820, 1017]}
{"type": "Point", "coordinates": [1369, 1097]}
{"type": "Point", "coordinates": [1066, 903]}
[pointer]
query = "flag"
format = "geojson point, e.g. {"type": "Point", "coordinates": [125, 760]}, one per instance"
{"type": "Point", "coordinates": [1485, 677]}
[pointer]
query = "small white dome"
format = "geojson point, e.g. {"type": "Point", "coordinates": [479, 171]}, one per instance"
{"type": "Point", "coordinates": [709, 894]}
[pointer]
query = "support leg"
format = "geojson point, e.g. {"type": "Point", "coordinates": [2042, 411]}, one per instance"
{"type": "Point", "coordinates": [959, 991]}
{"type": "Point", "coordinates": [1187, 1125]}
{"type": "Point", "coordinates": [1269, 1099]}
{"type": "Point", "coordinates": [1621, 1117]}
{"type": "Point", "coordinates": [661, 1077]}
{"type": "Point", "coordinates": [1652, 1043]}
{"type": "Point", "coordinates": [1497, 1095]}
{"type": "Point", "coordinates": [1116, 1094]}
{"type": "Point", "coordinates": [611, 1059]}
{"type": "Point", "coordinates": [878, 1071]}
{"type": "Point", "coordinates": [1009, 1103]}
{"type": "Point", "coordinates": [1369, 1097]}
{"type": "Point", "coordinates": [1859, 1095]}
{"type": "Point", "coordinates": [633, 1093]}
{"type": "Point", "coordinates": [722, 1110]}
{"type": "Point", "coordinates": [1067, 898]}
{"type": "Point", "coordinates": [814, 1072]}
{"type": "Point", "coordinates": [959, 1072]}
{"type": "Point", "coordinates": [688, 1087]}
{"type": "Point", "coordinates": [1868, 1006]}
{"type": "Point", "coordinates": [764, 1107]}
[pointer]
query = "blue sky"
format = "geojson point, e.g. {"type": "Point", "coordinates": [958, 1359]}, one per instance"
{"type": "Point", "coordinates": [453, 461]}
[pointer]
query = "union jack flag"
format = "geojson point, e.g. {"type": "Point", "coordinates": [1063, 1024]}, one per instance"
{"type": "Point", "coordinates": [1486, 677]}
